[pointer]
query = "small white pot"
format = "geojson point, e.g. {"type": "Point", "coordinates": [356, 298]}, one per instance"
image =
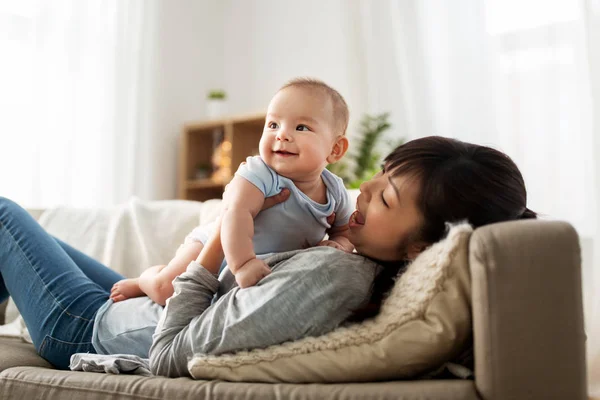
{"type": "Point", "coordinates": [216, 108]}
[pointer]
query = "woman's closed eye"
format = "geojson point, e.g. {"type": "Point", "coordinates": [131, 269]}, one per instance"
{"type": "Point", "coordinates": [272, 125]}
{"type": "Point", "coordinates": [303, 128]}
{"type": "Point", "coordinates": [383, 200]}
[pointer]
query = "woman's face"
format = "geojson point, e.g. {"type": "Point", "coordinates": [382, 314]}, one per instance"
{"type": "Point", "coordinates": [387, 219]}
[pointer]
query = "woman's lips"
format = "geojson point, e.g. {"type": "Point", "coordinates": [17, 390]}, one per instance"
{"type": "Point", "coordinates": [357, 219]}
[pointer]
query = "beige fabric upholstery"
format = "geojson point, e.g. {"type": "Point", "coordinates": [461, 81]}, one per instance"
{"type": "Point", "coordinates": [2, 311]}
{"type": "Point", "coordinates": [527, 311]}
{"type": "Point", "coordinates": [15, 352]}
{"type": "Point", "coordinates": [38, 383]}
{"type": "Point", "coordinates": [424, 322]}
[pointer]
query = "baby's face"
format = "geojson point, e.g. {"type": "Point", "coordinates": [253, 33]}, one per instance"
{"type": "Point", "coordinates": [299, 133]}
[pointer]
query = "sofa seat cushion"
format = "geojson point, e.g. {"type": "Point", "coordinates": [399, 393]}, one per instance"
{"type": "Point", "coordinates": [15, 352]}
{"type": "Point", "coordinates": [48, 384]}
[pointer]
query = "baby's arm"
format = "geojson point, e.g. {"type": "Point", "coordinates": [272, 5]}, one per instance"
{"type": "Point", "coordinates": [338, 238]}
{"type": "Point", "coordinates": [156, 282]}
{"type": "Point", "coordinates": [243, 201]}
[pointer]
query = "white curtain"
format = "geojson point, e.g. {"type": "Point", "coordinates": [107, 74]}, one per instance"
{"type": "Point", "coordinates": [75, 100]}
{"type": "Point", "coordinates": [519, 75]}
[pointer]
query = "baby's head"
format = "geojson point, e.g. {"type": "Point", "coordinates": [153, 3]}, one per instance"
{"type": "Point", "coordinates": [305, 129]}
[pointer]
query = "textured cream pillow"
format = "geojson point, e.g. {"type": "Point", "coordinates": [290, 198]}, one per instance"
{"type": "Point", "coordinates": [424, 322]}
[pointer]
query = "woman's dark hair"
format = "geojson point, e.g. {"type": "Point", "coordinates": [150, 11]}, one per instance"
{"type": "Point", "coordinates": [458, 182]}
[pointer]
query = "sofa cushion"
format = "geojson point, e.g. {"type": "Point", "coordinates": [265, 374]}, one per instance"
{"type": "Point", "coordinates": [423, 323]}
{"type": "Point", "coordinates": [2, 311]}
{"type": "Point", "coordinates": [38, 383]}
{"type": "Point", "coordinates": [15, 352]}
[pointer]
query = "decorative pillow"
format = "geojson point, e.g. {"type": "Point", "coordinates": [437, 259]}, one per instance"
{"type": "Point", "coordinates": [423, 323]}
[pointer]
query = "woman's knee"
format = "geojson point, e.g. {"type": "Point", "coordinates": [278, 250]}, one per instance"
{"type": "Point", "coordinates": [6, 202]}
{"type": "Point", "coordinates": [7, 206]}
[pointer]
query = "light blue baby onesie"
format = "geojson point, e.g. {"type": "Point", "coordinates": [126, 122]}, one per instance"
{"type": "Point", "coordinates": [297, 223]}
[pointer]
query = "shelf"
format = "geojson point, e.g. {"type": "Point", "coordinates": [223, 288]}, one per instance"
{"type": "Point", "coordinates": [204, 183]}
{"type": "Point", "coordinates": [199, 142]}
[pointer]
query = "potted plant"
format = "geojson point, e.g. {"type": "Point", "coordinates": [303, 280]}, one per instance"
{"type": "Point", "coordinates": [362, 163]}
{"type": "Point", "coordinates": [216, 103]}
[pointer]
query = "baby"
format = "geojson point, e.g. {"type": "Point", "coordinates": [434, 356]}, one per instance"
{"type": "Point", "coordinates": [304, 131]}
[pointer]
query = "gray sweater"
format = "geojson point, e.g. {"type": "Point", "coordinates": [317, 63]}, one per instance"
{"type": "Point", "coordinates": [309, 293]}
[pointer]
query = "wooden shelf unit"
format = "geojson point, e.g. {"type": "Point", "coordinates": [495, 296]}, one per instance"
{"type": "Point", "coordinates": [198, 141]}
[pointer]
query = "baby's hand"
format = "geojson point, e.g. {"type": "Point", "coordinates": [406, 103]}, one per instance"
{"type": "Point", "coordinates": [251, 273]}
{"type": "Point", "coordinates": [125, 289]}
{"type": "Point", "coordinates": [331, 243]}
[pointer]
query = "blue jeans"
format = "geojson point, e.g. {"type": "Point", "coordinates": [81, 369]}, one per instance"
{"type": "Point", "coordinates": [56, 288]}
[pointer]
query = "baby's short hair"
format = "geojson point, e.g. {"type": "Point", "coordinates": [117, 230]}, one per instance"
{"type": "Point", "coordinates": [341, 114]}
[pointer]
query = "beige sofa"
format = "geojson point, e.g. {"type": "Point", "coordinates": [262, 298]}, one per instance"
{"type": "Point", "coordinates": [527, 329]}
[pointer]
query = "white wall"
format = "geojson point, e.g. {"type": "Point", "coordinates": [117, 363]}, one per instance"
{"type": "Point", "coordinates": [188, 62]}
{"type": "Point", "coordinates": [268, 42]}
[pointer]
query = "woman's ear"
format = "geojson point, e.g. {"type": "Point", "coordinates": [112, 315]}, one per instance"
{"type": "Point", "coordinates": [339, 149]}
{"type": "Point", "coordinates": [415, 249]}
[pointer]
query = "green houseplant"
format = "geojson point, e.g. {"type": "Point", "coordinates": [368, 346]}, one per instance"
{"type": "Point", "coordinates": [362, 163]}
{"type": "Point", "coordinates": [217, 94]}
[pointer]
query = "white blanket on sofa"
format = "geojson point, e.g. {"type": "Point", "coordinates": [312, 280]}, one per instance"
{"type": "Point", "coordinates": [128, 238]}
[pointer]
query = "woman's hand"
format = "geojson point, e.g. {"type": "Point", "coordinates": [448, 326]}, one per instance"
{"type": "Point", "coordinates": [125, 289]}
{"type": "Point", "coordinates": [276, 199]}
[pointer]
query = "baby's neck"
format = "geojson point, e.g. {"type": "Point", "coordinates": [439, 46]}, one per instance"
{"type": "Point", "coordinates": [313, 188]}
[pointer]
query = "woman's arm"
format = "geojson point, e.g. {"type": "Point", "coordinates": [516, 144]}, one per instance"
{"type": "Point", "coordinates": [309, 295]}
{"type": "Point", "coordinates": [194, 290]}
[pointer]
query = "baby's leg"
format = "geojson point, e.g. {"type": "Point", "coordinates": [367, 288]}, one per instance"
{"type": "Point", "coordinates": [251, 273]}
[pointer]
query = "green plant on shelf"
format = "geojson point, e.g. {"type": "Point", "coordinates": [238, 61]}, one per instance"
{"type": "Point", "coordinates": [217, 94]}
{"type": "Point", "coordinates": [360, 165]}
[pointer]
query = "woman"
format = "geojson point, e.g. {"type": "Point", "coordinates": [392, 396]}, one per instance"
{"type": "Point", "coordinates": [402, 210]}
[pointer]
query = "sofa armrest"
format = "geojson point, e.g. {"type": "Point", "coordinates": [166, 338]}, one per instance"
{"type": "Point", "coordinates": [527, 311]}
